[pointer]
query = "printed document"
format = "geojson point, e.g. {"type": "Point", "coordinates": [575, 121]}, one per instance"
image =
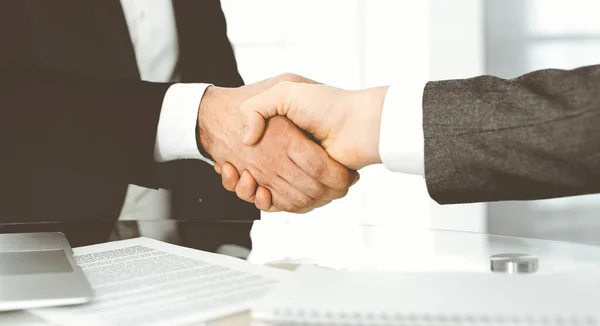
{"type": "Point", "coordinates": [147, 282]}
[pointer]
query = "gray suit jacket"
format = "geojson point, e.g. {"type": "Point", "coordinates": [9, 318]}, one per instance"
{"type": "Point", "coordinates": [536, 136]}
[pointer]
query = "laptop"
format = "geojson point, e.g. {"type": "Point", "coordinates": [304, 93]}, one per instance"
{"type": "Point", "coordinates": [38, 270]}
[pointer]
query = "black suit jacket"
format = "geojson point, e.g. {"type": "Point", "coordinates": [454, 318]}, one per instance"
{"type": "Point", "coordinates": [91, 128]}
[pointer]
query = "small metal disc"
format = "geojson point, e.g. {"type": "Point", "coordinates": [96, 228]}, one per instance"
{"type": "Point", "coordinates": [514, 263]}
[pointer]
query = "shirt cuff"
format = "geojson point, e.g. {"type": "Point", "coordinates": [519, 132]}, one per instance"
{"type": "Point", "coordinates": [176, 133]}
{"type": "Point", "coordinates": [401, 141]}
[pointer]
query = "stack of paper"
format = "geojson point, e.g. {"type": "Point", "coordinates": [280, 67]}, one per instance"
{"type": "Point", "coordinates": [148, 282]}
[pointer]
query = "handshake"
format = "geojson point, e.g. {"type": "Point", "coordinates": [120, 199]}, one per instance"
{"type": "Point", "coordinates": [289, 143]}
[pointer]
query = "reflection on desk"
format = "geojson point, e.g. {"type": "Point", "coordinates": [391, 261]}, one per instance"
{"type": "Point", "coordinates": [401, 249]}
{"type": "Point", "coordinates": [203, 235]}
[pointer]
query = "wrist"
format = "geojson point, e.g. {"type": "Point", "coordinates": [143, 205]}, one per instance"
{"type": "Point", "coordinates": [205, 139]}
{"type": "Point", "coordinates": [370, 107]}
{"type": "Point", "coordinates": [217, 114]}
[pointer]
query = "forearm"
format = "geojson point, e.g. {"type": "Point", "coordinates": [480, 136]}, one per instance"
{"type": "Point", "coordinates": [533, 137]}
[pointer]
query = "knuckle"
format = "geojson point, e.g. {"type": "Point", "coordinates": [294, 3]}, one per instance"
{"type": "Point", "coordinates": [288, 76]}
{"type": "Point", "coordinates": [306, 210]}
{"type": "Point", "coordinates": [242, 197]}
{"type": "Point", "coordinates": [318, 170]}
{"type": "Point", "coordinates": [343, 181]}
{"type": "Point", "coordinates": [302, 202]}
{"type": "Point", "coordinates": [317, 191]}
{"type": "Point", "coordinates": [342, 193]}
{"type": "Point", "coordinates": [346, 184]}
{"type": "Point", "coordinates": [243, 194]}
{"type": "Point", "coordinates": [295, 78]}
{"type": "Point", "coordinates": [283, 204]}
{"type": "Point", "coordinates": [282, 85]}
{"type": "Point", "coordinates": [335, 194]}
{"type": "Point", "coordinates": [289, 207]}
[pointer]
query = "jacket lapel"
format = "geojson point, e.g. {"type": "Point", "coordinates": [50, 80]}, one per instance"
{"type": "Point", "coordinates": [110, 16]}
{"type": "Point", "coordinates": [189, 20]}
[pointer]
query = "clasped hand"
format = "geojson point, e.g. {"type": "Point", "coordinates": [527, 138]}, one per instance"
{"type": "Point", "coordinates": [345, 123]}
{"type": "Point", "coordinates": [294, 173]}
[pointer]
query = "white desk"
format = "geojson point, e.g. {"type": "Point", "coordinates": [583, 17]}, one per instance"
{"type": "Point", "coordinates": [285, 245]}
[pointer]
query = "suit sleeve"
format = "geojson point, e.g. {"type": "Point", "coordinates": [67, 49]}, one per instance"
{"type": "Point", "coordinates": [533, 137]}
{"type": "Point", "coordinates": [105, 128]}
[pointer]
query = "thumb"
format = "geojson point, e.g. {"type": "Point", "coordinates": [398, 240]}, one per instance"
{"type": "Point", "coordinates": [260, 107]}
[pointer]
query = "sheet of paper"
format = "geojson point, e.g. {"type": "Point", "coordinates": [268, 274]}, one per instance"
{"type": "Point", "coordinates": [147, 282]}
{"type": "Point", "coordinates": [318, 296]}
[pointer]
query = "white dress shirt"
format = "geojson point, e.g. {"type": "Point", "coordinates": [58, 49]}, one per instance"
{"type": "Point", "coordinates": [401, 141]}
{"type": "Point", "coordinates": [153, 34]}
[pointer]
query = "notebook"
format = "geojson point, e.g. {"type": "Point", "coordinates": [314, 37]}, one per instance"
{"type": "Point", "coordinates": [318, 296]}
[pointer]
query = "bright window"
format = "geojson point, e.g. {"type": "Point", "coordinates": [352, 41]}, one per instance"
{"type": "Point", "coordinates": [358, 44]}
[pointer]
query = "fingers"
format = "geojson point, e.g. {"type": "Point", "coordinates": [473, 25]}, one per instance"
{"type": "Point", "coordinates": [316, 163]}
{"type": "Point", "coordinates": [218, 168]}
{"type": "Point", "coordinates": [275, 99]}
{"type": "Point", "coordinates": [246, 187]}
{"type": "Point", "coordinates": [273, 209]}
{"type": "Point", "coordinates": [289, 199]}
{"type": "Point", "coordinates": [297, 190]}
{"type": "Point", "coordinates": [300, 197]}
{"type": "Point", "coordinates": [302, 193]}
{"type": "Point", "coordinates": [263, 200]}
{"type": "Point", "coordinates": [229, 176]}
{"type": "Point", "coordinates": [255, 126]}
{"type": "Point", "coordinates": [256, 109]}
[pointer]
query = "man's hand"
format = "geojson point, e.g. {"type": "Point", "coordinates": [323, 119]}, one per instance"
{"type": "Point", "coordinates": [296, 174]}
{"type": "Point", "coordinates": [346, 123]}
